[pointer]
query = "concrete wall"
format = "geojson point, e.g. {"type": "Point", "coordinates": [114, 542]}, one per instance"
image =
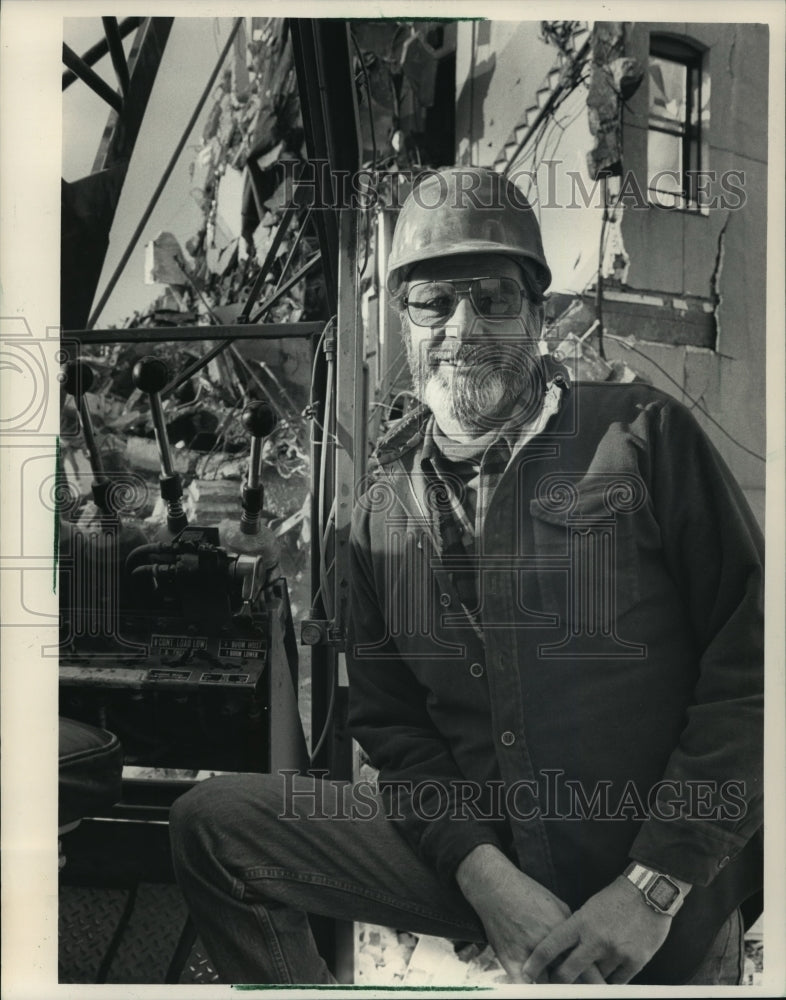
{"type": "Point", "coordinates": [722, 252]}
{"type": "Point", "coordinates": [501, 65]}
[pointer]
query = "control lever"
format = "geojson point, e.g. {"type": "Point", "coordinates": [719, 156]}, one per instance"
{"type": "Point", "coordinates": [249, 569]}
{"type": "Point", "coordinates": [260, 420]}
{"type": "Point", "coordinates": [150, 375]}
{"type": "Point", "coordinates": [92, 550]}
{"type": "Point", "coordinates": [79, 380]}
{"type": "Point", "coordinates": [251, 537]}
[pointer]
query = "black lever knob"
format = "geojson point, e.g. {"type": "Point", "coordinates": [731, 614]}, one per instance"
{"type": "Point", "coordinates": [259, 419]}
{"type": "Point", "coordinates": [79, 378]}
{"type": "Point", "coordinates": [150, 374]}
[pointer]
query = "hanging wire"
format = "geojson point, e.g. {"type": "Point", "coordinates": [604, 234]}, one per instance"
{"type": "Point", "coordinates": [220, 436]}
{"type": "Point", "coordinates": [531, 156]}
{"type": "Point", "coordinates": [327, 597]}
{"type": "Point", "coordinates": [697, 405]}
{"type": "Point", "coordinates": [555, 102]}
{"type": "Point", "coordinates": [318, 594]}
{"type": "Point", "coordinates": [364, 71]}
{"type": "Point", "coordinates": [312, 419]}
{"type": "Point", "coordinates": [329, 712]}
{"type": "Point", "coordinates": [388, 381]}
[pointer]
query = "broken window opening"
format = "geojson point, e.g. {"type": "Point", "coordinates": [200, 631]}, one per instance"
{"type": "Point", "coordinates": [678, 124]}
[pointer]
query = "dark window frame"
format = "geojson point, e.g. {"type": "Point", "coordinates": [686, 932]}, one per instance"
{"type": "Point", "coordinates": [691, 57]}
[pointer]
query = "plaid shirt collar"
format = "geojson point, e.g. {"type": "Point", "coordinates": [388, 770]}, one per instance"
{"type": "Point", "coordinates": [514, 434]}
{"type": "Point", "coordinates": [458, 516]}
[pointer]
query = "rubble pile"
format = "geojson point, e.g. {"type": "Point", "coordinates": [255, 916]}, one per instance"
{"type": "Point", "coordinates": [253, 126]}
{"type": "Point", "coordinates": [385, 957]}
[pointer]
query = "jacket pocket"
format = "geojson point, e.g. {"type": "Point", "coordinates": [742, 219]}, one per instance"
{"type": "Point", "coordinates": [586, 558]}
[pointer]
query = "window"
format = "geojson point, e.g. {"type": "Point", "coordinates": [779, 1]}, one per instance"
{"type": "Point", "coordinates": [678, 124]}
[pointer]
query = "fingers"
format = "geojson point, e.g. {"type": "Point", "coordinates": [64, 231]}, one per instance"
{"type": "Point", "coordinates": [592, 975]}
{"type": "Point", "coordinates": [557, 941]}
{"type": "Point", "coordinates": [607, 966]}
{"type": "Point", "coordinates": [578, 966]}
{"type": "Point", "coordinates": [623, 974]}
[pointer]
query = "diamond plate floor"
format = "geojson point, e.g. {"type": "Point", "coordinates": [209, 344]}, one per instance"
{"type": "Point", "coordinates": [88, 919]}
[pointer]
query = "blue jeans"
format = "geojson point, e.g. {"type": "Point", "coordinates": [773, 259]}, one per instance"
{"type": "Point", "coordinates": [723, 964]}
{"type": "Point", "coordinates": [253, 854]}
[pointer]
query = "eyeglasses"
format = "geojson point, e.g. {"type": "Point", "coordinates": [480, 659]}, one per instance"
{"type": "Point", "coordinates": [430, 303]}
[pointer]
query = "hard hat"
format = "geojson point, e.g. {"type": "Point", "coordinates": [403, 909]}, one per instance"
{"type": "Point", "coordinates": [462, 210]}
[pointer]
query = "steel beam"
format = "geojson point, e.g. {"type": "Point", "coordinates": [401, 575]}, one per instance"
{"type": "Point", "coordinates": [89, 76]}
{"type": "Point", "coordinates": [100, 49]}
{"type": "Point", "coordinates": [284, 287]}
{"type": "Point", "coordinates": [88, 204]}
{"type": "Point", "coordinates": [163, 180]}
{"type": "Point", "coordinates": [330, 120]}
{"type": "Point", "coordinates": [270, 256]}
{"type": "Point", "coordinates": [164, 334]}
{"type": "Point", "coordinates": [321, 50]}
{"type": "Point", "coordinates": [115, 42]}
{"type": "Point", "coordinates": [121, 133]}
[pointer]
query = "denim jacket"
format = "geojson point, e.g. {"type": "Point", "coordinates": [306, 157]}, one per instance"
{"type": "Point", "coordinates": [603, 701]}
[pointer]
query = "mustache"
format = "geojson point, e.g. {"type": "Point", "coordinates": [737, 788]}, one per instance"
{"type": "Point", "coordinates": [471, 354]}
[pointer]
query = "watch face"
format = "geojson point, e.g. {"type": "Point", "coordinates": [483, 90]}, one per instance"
{"type": "Point", "coordinates": [663, 892]}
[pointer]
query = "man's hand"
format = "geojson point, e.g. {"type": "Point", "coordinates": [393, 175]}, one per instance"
{"type": "Point", "coordinates": [516, 911]}
{"type": "Point", "coordinates": [615, 929]}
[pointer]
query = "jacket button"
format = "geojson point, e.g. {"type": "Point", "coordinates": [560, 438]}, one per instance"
{"type": "Point", "coordinates": [508, 738]}
{"type": "Point", "coordinates": [476, 669]}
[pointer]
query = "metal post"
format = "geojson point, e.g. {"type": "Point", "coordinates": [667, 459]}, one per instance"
{"type": "Point", "coordinates": [350, 411]}
{"type": "Point", "coordinates": [330, 120]}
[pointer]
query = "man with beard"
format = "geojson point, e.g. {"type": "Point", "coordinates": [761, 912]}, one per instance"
{"type": "Point", "coordinates": [554, 661]}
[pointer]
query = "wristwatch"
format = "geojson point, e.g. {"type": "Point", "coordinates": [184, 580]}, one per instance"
{"type": "Point", "coordinates": [660, 892]}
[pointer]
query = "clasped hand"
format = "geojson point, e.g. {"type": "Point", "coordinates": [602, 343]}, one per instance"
{"type": "Point", "coordinates": [615, 933]}
{"type": "Point", "coordinates": [537, 939]}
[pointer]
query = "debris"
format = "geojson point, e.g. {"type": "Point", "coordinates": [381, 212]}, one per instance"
{"type": "Point", "coordinates": [164, 260]}
{"type": "Point", "coordinates": [614, 78]}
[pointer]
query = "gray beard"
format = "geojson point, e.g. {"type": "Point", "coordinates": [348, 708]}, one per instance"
{"type": "Point", "coordinates": [489, 385]}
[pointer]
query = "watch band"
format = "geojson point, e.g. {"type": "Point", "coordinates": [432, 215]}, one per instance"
{"type": "Point", "coordinates": [660, 892]}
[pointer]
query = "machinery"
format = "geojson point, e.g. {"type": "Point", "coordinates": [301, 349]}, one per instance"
{"type": "Point", "coordinates": [181, 649]}
{"type": "Point", "coordinates": [190, 656]}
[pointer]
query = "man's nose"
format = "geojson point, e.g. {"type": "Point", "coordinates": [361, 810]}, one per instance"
{"type": "Point", "coordinates": [461, 323]}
